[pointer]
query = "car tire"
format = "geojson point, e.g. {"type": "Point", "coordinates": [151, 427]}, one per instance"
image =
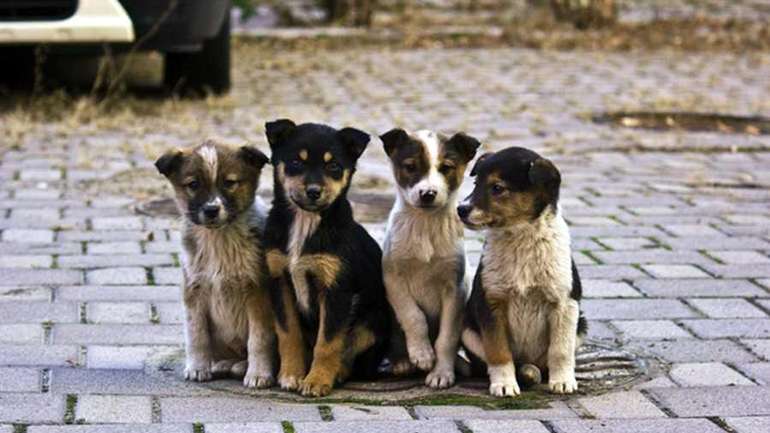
{"type": "Point", "coordinates": [204, 71]}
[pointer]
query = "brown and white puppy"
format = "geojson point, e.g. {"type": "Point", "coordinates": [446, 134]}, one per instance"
{"type": "Point", "coordinates": [228, 316]}
{"type": "Point", "coordinates": [524, 309]}
{"type": "Point", "coordinates": [423, 255]}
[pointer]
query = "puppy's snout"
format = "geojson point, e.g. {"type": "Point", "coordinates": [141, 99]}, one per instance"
{"type": "Point", "coordinates": [313, 192]}
{"type": "Point", "coordinates": [428, 196]}
{"type": "Point", "coordinates": [211, 211]}
{"type": "Point", "coordinates": [464, 210]}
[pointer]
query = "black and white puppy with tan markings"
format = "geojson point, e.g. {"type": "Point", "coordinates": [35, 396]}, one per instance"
{"type": "Point", "coordinates": [524, 308]}
{"type": "Point", "coordinates": [326, 271]}
{"type": "Point", "coordinates": [424, 255]}
{"type": "Point", "coordinates": [228, 315]}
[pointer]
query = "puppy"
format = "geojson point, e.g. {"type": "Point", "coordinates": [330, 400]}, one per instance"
{"type": "Point", "coordinates": [228, 317]}
{"type": "Point", "coordinates": [523, 309]}
{"type": "Point", "coordinates": [325, 269]}
{"type": "Point", "coordinates": [424, 255]}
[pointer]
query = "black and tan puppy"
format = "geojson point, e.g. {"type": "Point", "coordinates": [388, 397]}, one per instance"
{"type": "Point", "coordinates": [326, 271]}
{"type": "Point", "coordinates": [228, 315]}
{"type": "Point", "coordinates": [524, 308]}
{"type": "Point", "coordinates": [424, 254]}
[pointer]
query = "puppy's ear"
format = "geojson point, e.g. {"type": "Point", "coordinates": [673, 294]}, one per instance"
{"type": "Point", "coordinates": [355, 140]}
{"type": "Point", "coordinates": [278, 129]}
{"type": "Point", "coordinates": [253, 156]}
{"type": "Point", "coordinates": [475, 169]}
{"type": "Point", "coordinates": [543, 174]}
{"type": "Point", "coordinates": [464, 144]}
{"type": "Point", "coordinates": [393, 139]}
{"type": "Point", "coordinates": [169, 162]}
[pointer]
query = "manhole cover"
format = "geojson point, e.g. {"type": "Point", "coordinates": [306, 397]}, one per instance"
{"type": "Point", "coordinates": [687, 121]}
{"type": "Point", "coordinates": [600, 368]}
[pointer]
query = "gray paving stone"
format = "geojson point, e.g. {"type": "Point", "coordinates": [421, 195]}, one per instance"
{"type": "Point", "coordinates": [726, 308]}
{"type": "Point", "coordinates": [758, 371]}
{"type": "Point", "coordinates": [692, 230]}
{"type": "Point", "coordinates": [163, 247]}
{"type": "Point", "coordinates": [760, 347]}
{"type": "Point", "coordinates": [504, 426]}
{"type": "Point", "coordinates": [608, 289]}
{"type": "Point", "coordinates": [119, 293]}
{"type": "Point", "coordinates": [28, 261]}
{"type": "Point", "coordinates": [167, 275]}
{"type": "Point", "coordinates": [117, 276]}
{"type": "Point", "coordinates": [628, 243]}
{"type": "Point", "coordinates": [115, 260]}
{"type": "Point", "coordinates": [601, 330]}
{"type": "Point", "coordinates": [610, 272]}
{"type": "Point", "coordinates": [118, 382]}
{"type": "Point", "coordinates": [740, 257]}
{"type": "Point", "coordinates": [602, 309]}
{"type": "Point", "coordinates": [38, 355]}
{"type": "Point", "coordinates": [112, 428]}
{"type": "Point", "coordinates": [31, 408]}
{"type": "Point", "coordinates": [111, 409]}
{"type": "Point", "coordinates": [59, 248]}
{"type": "Point", "coordinates": [16, 379]}
{"type": "Point", "coordinates": [715, 401]}
{"type": "Point", "coordinates": [28, 235]}
{"type": "Point", "coordinates": [24, 294]}
{"type": "Point", "coordinates": [674, 271]}
{"type": "Point", "coordinates": [678, 288]}
{"type": "Point", "coordinates": [623, 404]}
{"type": "Point", "coordinates": [253, 427]}
{"type": "Point", "coordinates": [758, 270]}
{"type": "Point", "coordinates": [116, 334]}
{"type": "Point", "coordinates": [120, 357]}
{"type": "Point", "coordinates": [26, 277]}
{"type": "Point", "coordinates": [125, 247]}
{"type": "Point", "coordinates": [725, 328]}
{"type": "Point", "coordinates": [40, 174]}
{"type": "Point", "coordinates": [658, 382]}
{"type": "Point", "coordinates": [6, 429]}
{"type": "Point", "coordinates": [376, 427]}
{"type": "Point", "coordinates": [170, 312]}
{"type": "Point", "coordinates": [714, 243]}
{"type": "Point", "coordinates": [118, 312]}
{"type": "Point", "coordinates": [693, 350]}
{"type": "Point", "coordinates": [555, 410]}
{"type": "Point", "coordinates": [650, 329]}
{"type": "Point", "coordinates": [754, 424]}
{"type": "Point", "coordinates": [363, 413]}
{"type": "Point", "coordinates": [21, 333]}
{"type": "Point", "coordinates": [706, 374]}
{"type": "Point", "coordinates": [651, 256]}
{"type": "Point", "coordinates": [39, 312]}
{"type": "Point", "coordinates": [101, 235]}
{"type": "Point", "coordinates": [637, 425]}
{"type": "Point", "coordinates": [117, 223]}
{"type": "Point", "coordinates": [209, 409]}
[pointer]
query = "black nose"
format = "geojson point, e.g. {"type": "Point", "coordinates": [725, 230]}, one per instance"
{"type": "Point", "coordinates": [464, 210]}
{"type": "Point", "coordinates": [211, 211]}
{"type": "Point", "coordinates": [428, 196]}
{"type": "Point", "coordinates": [313, 192]}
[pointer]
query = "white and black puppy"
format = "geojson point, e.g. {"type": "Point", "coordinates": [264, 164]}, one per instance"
{"type": "Point", "coordinates": [423, 255]}
{"type": "Point", "coordinates": [524, 309]}
{"type": "Point", "coordinates": [228, 315]}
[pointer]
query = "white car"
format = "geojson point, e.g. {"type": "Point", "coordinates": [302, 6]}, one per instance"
{"type": "Point", "coordinates": [194, 35]}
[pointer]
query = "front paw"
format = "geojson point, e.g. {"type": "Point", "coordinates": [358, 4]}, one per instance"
{"type": "Point", "coordinates": [198, 371]}
{"type": "Point", "coordinates": [402, 367]}
{"type": "Point", "coordinates": [502, 380]}
{"type": "Point", "coordinates": [255, 379]}
{"type": "Point", "coordinates": [563, 383]}
{"type": "Point", "coordinates": [440, 378]}
{"type": "Point", "coordinates": [315, 385]}
{"type": "Point", "coordinates": [506, 388]}
{"type": "Point", "coordinates": [290, 382]}
{"type": "Point", "coordinates": [422, 356]}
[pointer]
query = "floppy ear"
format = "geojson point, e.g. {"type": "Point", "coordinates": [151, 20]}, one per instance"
{"type": "Point", "coordinates": [355, 140]}
{"type": "Point", "coordinates": [474, 170]}
{"type": "Point", "coordinates": [543, 173]}
{"type": "Point", "coordinates": [169, 162]}
{"type": "Point", "coordinates": [465, 145]}
{"type": "Point", "coordinates": [253, 156]}
{"type": "Point", "coordinates": [393, 139]}
{"type": "Point", "coordinates": [277, 129]}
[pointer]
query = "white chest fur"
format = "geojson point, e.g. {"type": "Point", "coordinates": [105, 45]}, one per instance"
{"type": "Point", "coordinates": [302, 228]}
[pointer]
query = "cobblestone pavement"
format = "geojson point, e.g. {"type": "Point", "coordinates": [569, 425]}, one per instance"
{"type": "Point", "coordinates": [671, 233]}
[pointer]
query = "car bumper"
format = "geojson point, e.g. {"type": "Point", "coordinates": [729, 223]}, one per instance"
{"type": "Point", "coordinates": [95, 21]}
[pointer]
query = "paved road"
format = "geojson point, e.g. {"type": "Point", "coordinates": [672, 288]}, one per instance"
{"type": "Point", "coordinates": [671, 232]}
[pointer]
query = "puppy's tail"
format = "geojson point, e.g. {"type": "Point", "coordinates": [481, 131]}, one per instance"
{"type": "Point", "coordinates": [472, 343]}
{"type": "Point", "coordinates": [470, 360]}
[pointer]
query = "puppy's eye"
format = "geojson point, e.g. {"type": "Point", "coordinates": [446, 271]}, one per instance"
{"type": "Point", "coordinates": [193, 185]}
{"type": "Point", "coordinates": [446, 168]}
{"type": "Point", "coordinates": [231, 183]}
{"type": "Point", "coordinates": [497, 189]}
{"type": "Point", "coordinates": [333, 167]}
{"type": "Point", "coordinates": [410, 167]}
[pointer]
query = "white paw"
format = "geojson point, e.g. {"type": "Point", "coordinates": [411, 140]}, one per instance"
{"type": "Point", "coordinates": [254, 379]}
{"type": "Point", "coordinates": [422, 357]}
{"type": "Point", "coordinates": [508, 388]}
{"type": "Point", "coordinates": [403, 368]}
{"type": "Point", "coordinates": [198, 371]}
{"type": "Point", "coordinates": [440, 378]}
{"type": "Point", "coordinates": [290, 383]}
{"type": "Point", "coordinates": [502, 380]}
{"type": "Point", "coordinates": [566, 386]}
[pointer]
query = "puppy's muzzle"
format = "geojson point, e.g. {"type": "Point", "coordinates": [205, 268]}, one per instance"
{"type": "Point", "coordinates": [464, 211]}
{"type": "Point", "coordinates": [313, 193]}
{"type": "Point", "coordinates": [428, 197]}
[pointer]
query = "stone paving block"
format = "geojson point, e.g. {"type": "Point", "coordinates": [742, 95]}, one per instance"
{"type": "Point", "coordinates": [21, 334]}
{"type": "Point", "coordinates": [118, 382]}
{"type": "Point", "coordinates": [163, 247]}
{"type": "Point", "coordinates": [658, 382]}
{"type": "Point", "coordinates": [26, 277]}
{"type": "Point", "coordinates": [674, 271]}
{"type": "Point", "coordinates": [31, 408]}
{"type": "Point", "coordinates": [608, 289]}
{"type": "Point", "coordinates": [504, 426]}
{"type": "Point", "coordinates": [40, 174]}
{"type": "Point", "coordinates": [376, 427]}
{"type": "Point", "coordinates": [117, 223]}
{"type": "Point", "coordinates": [117, 276]}
{"type": "Point", "coordinates": [651, 256]}
{"type": "Point", "coordinates": [46, 214]}
{"type": "Point", "coordinates": [363, 413]}
{"type": "Point", "coordinates": [28, 235]}
{"type": "Point", "coordinates": [125, 247]}
{"type": "Point", "coordinates": [755, 270]}
{"type": "Point", "coordinates": [112, 428]}
{"type": "Point", "coordinates": [602, 309]}
{"type": "Point", "coordinates": [119, 293]}
{"type": "Point", "coordinates": [120, 357]}
{"type": "Point", "coordinates": [116, 334]}
{"type": "Point", "coordinates": [677, 288]}
{"type": "Point", "coordinates": [715, 401]}
{"type": "Point", "coordinates": [555, 410]}
{"type": "Point", "coordinates": [115, 260]}
{"type": "Point", "coordinates": [637, 425]}
{"type": "Point", "coordinates": [750, 424]}
{"type": "Point", "coordinates": [694, 350]}
{"type": "Point", "coordinates": [714, 243]}
{"type": "Point", "coordinates": [118, 312]}
{"type": "Point", "coordinates": [610, 272]}
{"type": "Point", "coordinates": [650, 329]}
{"type": "Point", "coordinates": [254, 427]}
{"type": "Point", "coordinates": [39, 312]}
{"type": "Point", "coordinates": [166, 275]}
{"type": "Point", "coordinates": [17, 379]}
{"type": "Point", "coordinates": [6, 429]}
{"type": "Point", "coordinates": [692, 230]}
{"type": "Point", "coordinates": [38, 355]}
{"type": "Point", "coordinates": [758, 371]}
{"type": "Point", "coordinates": [726, 328]}
{"type": "Point", "coordinates": [740, 257]}
{"type": "Point", "coordinates": [27, 261]}
{"type": "Point", "coordinates": [624, 404]}
{"type": "Point", "coordinates": [760, 347]}
{"type": "Point", "coordinates": [59, 248]}
{"type": "Point", "coordinates": [706, 374]}
{"type": "Point", "coordinates": [726, 308]}
{"type": "Point", "coordinates": [170, 312]}
{"type": "Point", "coordinates": [628, 243]}
{"type": "Point", "coordinates": [209, 409]}
{"type": "Point", "coordinates": [102, 235]}
{"type": "Point", "coordinates": [24, 294]}
{"type": "Point", "coordinates": [110, 409]}
{"type": "Point", "coordinates": [601, 331]}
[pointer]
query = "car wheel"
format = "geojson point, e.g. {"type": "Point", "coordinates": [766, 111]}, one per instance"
{"type": "Point", "coordinates": [207, 70]}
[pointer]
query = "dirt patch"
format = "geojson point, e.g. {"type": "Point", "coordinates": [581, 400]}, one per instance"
{"type": "Point", "coordinates": [684, 121]}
